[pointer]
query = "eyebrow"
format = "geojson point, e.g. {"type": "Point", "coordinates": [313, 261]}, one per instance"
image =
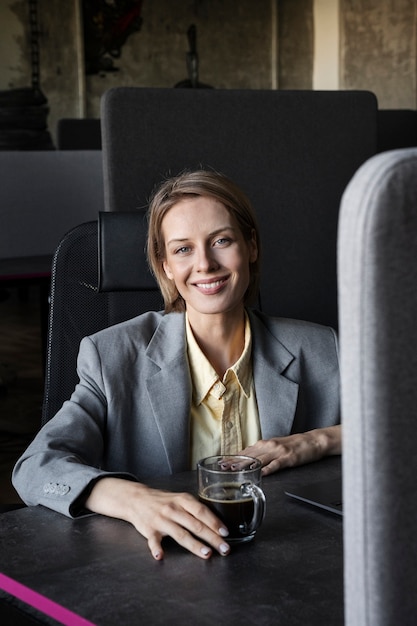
{"type": "Point", "coordinates": [212, 234]}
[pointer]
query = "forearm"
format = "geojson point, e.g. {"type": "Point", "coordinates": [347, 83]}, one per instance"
{"type": "Point", "coordinates": [327, 441]}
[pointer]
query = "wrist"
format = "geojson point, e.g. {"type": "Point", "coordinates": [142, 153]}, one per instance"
{"type": "Point", "coordinates": [327, 440]}
{"type": "Point", "coordinates": [113, 496]}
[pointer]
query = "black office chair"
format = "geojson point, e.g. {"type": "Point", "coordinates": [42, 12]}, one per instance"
{"type": "Point", "coordinates": [91, 289]}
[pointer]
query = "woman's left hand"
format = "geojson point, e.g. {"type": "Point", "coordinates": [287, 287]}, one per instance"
{"type": "Point", "coordinates": [280, 452]}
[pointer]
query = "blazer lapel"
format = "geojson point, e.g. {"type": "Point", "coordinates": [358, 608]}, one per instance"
{"type": "Point", "coordinates": [169, 386]}
{"type": "Point", "coordinates": [169, 389]}
{"type": "Point", "coordinates": [276, 395]}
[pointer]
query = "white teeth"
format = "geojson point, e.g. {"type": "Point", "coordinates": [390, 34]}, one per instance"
{"type": "Point", "coordinates": [209, 285]}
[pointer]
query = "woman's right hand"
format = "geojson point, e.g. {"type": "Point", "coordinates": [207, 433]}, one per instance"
{"type": "Point", "coordinates": [157, 514]}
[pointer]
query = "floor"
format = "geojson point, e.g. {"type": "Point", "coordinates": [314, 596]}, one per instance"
{"type": "Point", "coordinates": [21, 378]}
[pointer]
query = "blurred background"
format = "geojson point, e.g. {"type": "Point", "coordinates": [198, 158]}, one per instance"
{"type": "Point", "coordinates": [85, 47]}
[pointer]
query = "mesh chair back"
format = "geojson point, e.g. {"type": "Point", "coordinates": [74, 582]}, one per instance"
{"type": "Point", "coordinates": [78, 309]}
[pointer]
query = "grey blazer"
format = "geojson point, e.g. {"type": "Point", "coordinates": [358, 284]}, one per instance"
{"type": "Point", "coordinates": [129, 414]}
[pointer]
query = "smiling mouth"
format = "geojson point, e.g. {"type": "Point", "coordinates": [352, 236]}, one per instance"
{"type": "Point", "coordinates": [212, 285]}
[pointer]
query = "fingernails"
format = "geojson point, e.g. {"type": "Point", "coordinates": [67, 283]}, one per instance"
{"type": "Point", "coordinates": [224, 548]}
{"type": "Point", "coordinates": [223, 532]}
{"type": "Point", "coordinates": [205, 551]}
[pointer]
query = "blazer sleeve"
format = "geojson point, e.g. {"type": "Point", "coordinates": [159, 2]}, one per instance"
{"type": "Point", "coordinates": [62, 463]}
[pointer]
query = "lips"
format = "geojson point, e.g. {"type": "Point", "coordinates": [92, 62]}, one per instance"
{"type": "Point", "coordinates": [212, 285]}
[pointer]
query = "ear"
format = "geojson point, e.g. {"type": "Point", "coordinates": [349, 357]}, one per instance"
{"type": "Point", "coordinates": [167, 270]}
{"type": "Point", "coordinates": [253, 247]}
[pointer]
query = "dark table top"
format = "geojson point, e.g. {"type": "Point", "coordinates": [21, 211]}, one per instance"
{"type": "Point", "coordinates": [100, 568]}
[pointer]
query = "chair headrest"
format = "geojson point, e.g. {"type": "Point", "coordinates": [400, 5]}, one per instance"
{"type": "Point", "coordinates": [121, 252]}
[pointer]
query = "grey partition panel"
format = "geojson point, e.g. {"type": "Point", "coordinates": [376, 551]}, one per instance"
{"type": "Point", "coordinates": [43, 194]}
{"type": "Point", "coordinates": [293, 152]}
{"type": "Point", "coordinates": [378, 343]}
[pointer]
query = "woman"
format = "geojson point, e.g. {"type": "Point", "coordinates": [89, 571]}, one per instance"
{"type": "Point", "coordinates": [207, 376]}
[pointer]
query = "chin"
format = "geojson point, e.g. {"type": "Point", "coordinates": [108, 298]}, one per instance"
{"type": "Point", "coordinates": [218, 309]}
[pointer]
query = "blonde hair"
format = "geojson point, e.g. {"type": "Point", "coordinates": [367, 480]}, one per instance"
{"type": "Point", "coordinates": [197, 183]}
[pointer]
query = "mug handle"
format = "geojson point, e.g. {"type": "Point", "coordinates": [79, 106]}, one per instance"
{"type": "Point", "coordinates": [259, 506]}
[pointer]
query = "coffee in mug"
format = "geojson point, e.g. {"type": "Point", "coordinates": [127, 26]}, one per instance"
{"type": "Point", "coordinates": [231, 487]}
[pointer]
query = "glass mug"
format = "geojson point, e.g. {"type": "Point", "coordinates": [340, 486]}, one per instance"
{"type": "Point", "coordinates": [230, 485]}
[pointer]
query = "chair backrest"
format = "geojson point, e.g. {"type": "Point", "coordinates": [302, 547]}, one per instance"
{"type": "Point", "coordinates": [378, 345]}
{"type": "Point", "coordinates": [293, 152]}
{"type": "Point", "coordinates": [78, 308]}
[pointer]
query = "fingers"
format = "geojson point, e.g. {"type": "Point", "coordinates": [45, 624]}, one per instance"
{"type": "Point", "coordinates": [272, 467]}
{"type": "Point", "coordinates": [275, 454]}
{"type": "Point", "coordinates": [263, 451]}
{"type": "Point", "coordinates": [201, 545]}
{"type": "Point", "coordinates": [282, 452]}
{"type": "Point", "coordinates": [197, 529]}
{"type": "Point", "coordinates": [234, 463]}
{"type": "Point", "coordinates": [155, 547]}
{"type": "Point", "coordinates": [188, 522]}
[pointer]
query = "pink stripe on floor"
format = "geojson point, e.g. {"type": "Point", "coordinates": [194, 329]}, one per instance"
{"type": "Point", "coordinates": [41, 603]}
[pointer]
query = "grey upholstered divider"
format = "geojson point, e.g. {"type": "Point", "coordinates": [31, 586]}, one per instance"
{"type": "Point", "coordinates": [378, 343]}
{"type": "Point", "coordinates": [293, 152]}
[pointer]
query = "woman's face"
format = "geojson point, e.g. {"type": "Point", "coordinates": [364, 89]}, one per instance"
{"type": "Point", "coordinates": [206, 255]}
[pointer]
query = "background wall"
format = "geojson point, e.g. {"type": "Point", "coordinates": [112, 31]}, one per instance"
{"type": "Point", "coordinates": [295, 44]}
{"type": "Point", "coordinates": [14, 58]}
{"type": "Point", "coordinates": [234, 44]}
{"type": "Point", "coordinates": [289, 44]}
{"type": "Point", "coordinates": [379, 50]}
{"type": "Point", "coordinates": [327, 21]}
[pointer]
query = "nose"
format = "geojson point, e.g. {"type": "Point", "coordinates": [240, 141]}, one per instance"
{"type": "Point", "coordinates": [206, 260]}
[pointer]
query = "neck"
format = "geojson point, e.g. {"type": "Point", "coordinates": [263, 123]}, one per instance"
{"type": "Point", "coordinates": [221, 338]}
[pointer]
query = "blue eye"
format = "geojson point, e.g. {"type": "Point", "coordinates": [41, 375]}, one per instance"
{"type": "Point", "coordinates": [182, 250]}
